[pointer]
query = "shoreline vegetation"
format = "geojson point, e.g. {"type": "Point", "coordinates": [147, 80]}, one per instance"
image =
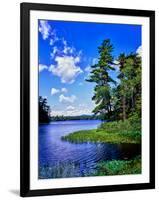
{"type": "Point", "coordinates": [118, 132]}
{"type": "Point", "coordinates": [127, 131]}
{"type": "Point", "coordinates": [104, 168]}
{"type": "Point", "coordinates": [119, 167]}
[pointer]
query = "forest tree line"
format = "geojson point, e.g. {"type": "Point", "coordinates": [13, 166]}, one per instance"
{"type": "Point", "coordinates": [116, 99]}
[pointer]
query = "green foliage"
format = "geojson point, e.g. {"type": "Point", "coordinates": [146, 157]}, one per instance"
{"type": "Point", "coordinates": [121, 101]}
{"type": "Point", "coordinates": [104, 168]}
{"type": "Point", "coordinates": [119, 167]}
{"type": "Point", "coordinates": [127, 125]}
{"type": "Point", "coordinates": [100, 75]}
{"type": "Point", "coordinates": [109, 132]}
{"type": "Point", "coordinates": [44, 110]}
{"type": "Point", "coordinates": [129, 88]}
{"type": "Point", "coordinates": [81, 117]}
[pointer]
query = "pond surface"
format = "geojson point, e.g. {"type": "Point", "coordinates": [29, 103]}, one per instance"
{"type": "Point", "coordinates": [59, 159]}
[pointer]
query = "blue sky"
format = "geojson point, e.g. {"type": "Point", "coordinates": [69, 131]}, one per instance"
{"type": "Point", "coordinates": [66, 52]}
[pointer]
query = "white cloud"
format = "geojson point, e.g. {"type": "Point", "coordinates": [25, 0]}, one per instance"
{"type": "Point", "coordinates": [67, 99]}
{"type": "Point", "coordinates": [70, 108]}
{"type": "Point", "coordinates": [53, 39]}
{"type": "Point", "coordinates": [67, 49]}
{"type": "Point", "coordinates": [66, 68]}
{"type": "Point", "coordinates": [42, 67]}
{"type": "Point", "coordinates": [87, 69]}
{"type": "Point", "coordinates": [51, 67]}
{"type": "Point", "coordinates": [139, 51]}
{"type": "Point", "coordinates": [77, 59]}
{"type": "Point", "coordinates": [51, 42]}
{"type": "Point", "coordinates": [116, 62]}
{"type": "Point", "coordinates": [54, 51]}
{"type": "Point", "coordinates": [44, 29]}
{"type": "Point", "coordinates": [66, 61]}
{"type": "Point", "coordinates": [64, 90]}
{"type": "Point", "coordinates": [73, 111]}
{"type": "Point", "coordinates": [116, 65]}
{"type": "Point", "coordinates": [94, 61]}
{"type": "Point", "coordinates": [64, 42]}
{"type": "Point", "coordinates": [54, 91]}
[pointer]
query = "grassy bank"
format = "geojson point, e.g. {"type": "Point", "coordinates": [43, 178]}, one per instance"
{"type": "Point", "coordinates": [119, 167]}
{"type": "Point", "coordinates": [109, 132]}
{"type": "Point", "coordinates": [104, 168]}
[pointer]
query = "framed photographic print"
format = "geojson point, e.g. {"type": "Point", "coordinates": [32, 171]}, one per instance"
{"type": "Point", "coordinates": [87, 99]}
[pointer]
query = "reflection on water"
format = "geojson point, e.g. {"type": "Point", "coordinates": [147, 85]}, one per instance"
{"type": "Point", "coordinates": [59, 158]}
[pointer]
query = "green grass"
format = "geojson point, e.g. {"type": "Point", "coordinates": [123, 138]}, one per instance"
{"type": "Point", "coordinates": [119, 167]}
{"type": "Point", "coordinates": [104, 168]}
{"type": "Point", "coordinates": [111, 132]}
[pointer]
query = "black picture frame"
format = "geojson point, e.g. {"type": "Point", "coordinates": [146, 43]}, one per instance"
{"type": "Point", "coordinates": [25, 9]}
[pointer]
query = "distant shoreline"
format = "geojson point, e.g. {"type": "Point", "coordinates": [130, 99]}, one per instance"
{"type": "Point", "coordinates": [80, 117]}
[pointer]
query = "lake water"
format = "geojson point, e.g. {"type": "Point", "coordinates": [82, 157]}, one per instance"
{"type": "Point", "coordinates": [59, 159]}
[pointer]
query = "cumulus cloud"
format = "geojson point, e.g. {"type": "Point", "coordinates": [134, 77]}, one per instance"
{"type": "Point", "coordinates": [67, 99]}
{"type": "Point", "coordinates": [53, 39]}
{"type": "Point", "coordinates": [64, 90]}
{"type": "Point", "coordinates": [116, 65]}
{"type": "Point", "coordinates": [116, 62]}
{"type": "Point", "coordinates": [42, 67]}
{"type": "Point", "coordinates": [54, 52]}
{"type": "Point", "coordinates": [70, 108]}
{"type": "Point", "coordinates": [54, 91]}
{"type": "Point", "coordinates": [51, 42]}
{"type": "Point", "coordinates": [139, 51]}
{"type": "Point", "coordinates": [94, 61]}
{"type": "Point", "coordinates": [87, 69]}
{"type": "Point", "coordinates": [51, 67]}
{"type": "Point", "coordinates": [65, 58]}
{"type": "Point", "coordinates": [73, 111]}
{"type": "Point", "coordinates": [66, 68]}
{"type": "Point", "coordinates": [64, 42]}
{"type": "Point", "coordinates": [44, 29]}
{"type": "Point", "coordinates": [67, 49]}
{"type": "Point", "coordinates": [47, 32]}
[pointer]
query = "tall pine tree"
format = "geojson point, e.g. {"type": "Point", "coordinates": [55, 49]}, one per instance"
{"type": "Point", "coordinates": [100, 75]}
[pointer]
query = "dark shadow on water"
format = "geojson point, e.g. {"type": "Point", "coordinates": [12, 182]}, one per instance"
{"type": "Point", "coordinates": [15, 192]}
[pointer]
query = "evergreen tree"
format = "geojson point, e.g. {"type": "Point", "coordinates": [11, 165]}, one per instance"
{"type": "Point", "coordinates": [122, 87]}
{"type": "Point", "coordinates": [100, 75]}
{"type": "Point", "coordinates": [44, 110]}
{"type": "Point", "coordinates": [124, 100]}
{"type": "Point", "coordinates": [129, 88]}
